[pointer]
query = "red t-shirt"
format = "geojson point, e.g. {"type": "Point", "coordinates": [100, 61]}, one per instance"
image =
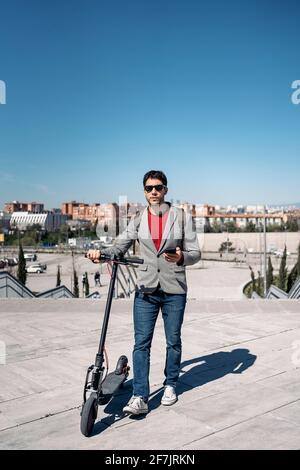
{"type": "Point", "coordinates": [156, 226]}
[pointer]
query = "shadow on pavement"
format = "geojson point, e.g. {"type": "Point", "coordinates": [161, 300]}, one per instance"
{"type": "Point", "coordinates": [114, 408]}
{"type": "Point", "coordinates": [205, 369]}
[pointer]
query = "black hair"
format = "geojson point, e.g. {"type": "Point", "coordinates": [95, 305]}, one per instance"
{"type": "Point", "coordinates": [155, 174]}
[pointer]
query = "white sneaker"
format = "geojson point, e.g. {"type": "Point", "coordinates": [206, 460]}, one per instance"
{"type": "Point", "coordinates": [169, 397]}
{"type": "Point", "coordinates": [136, 406]}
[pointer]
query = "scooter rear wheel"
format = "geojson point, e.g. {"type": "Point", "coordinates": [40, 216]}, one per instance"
{"type": "Point", "coordinates": [89, 415]}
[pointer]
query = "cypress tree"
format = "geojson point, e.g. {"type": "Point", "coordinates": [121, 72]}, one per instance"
{"type": "Point", "coordinates": [295, 272]}
{"type": "Point", "coordinates": [270, 277]}
{"type": "Point", "coordinates": [58, 280]}
{"type": "Point", "coordinates": [260, 285]}
{"type": "Point", "coordinates": [253, 280]}
{"type": "Point", "coordinates": [283, 271]}
{"type": "Point", "coordinates": [76, 285]}
{"type": "Point", "coordinates": [292, 278]}
{"type": "Point", "coordinates": [298, 261]}
{"type": "Point", "coordinates": [21, 274]}
{"type": "Point", "coordinates": [86, 285]}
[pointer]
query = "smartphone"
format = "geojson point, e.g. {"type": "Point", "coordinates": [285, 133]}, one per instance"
{"type": "Point", "coordinates": [171, 251]}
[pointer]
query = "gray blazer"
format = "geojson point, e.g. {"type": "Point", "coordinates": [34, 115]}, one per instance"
{"type": "Point", "coordinates": [179, 231]}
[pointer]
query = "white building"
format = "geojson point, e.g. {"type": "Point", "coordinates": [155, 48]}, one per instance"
{"type": "Point", "coordinates": [48, 221]}
{"type": "Point", "coordinates": [254, 209]}
{"type": "Point", "coordinates": [80, 242]}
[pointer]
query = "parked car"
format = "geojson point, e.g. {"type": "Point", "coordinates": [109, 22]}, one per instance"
{"type": "Point", "coordinates": [43, 265]}
{"type": "Point", "coordinates": [11, 261]}
{"type": "Point", "coordinates": [2, 264]}
{"type": "Point", "coordinates": [30, 256]}
{"type": "Point", "coordinates": [35, 268]}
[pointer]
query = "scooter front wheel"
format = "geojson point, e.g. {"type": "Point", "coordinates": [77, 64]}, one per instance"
{"type": "Point", "coordinates": [89, 415]}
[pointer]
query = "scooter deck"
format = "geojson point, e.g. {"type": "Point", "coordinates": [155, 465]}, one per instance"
{"type": "Point", "coordinates": [112, 382]}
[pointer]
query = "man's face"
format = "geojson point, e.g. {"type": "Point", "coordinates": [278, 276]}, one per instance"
{"type": "Point", "coordinates": [156, 195]}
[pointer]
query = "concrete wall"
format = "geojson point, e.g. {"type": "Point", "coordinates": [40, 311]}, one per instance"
{"type": "Point", "coordinates": [212, 241]}
{"type": "Point", "coordinates": [11, 287]}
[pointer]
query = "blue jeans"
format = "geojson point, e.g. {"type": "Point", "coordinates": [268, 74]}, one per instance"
{"type": "Point", "coordinates": [145, 313]}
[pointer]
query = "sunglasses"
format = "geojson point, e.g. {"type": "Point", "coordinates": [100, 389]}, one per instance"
{"type": "Point", "coordinates": [158, 187]}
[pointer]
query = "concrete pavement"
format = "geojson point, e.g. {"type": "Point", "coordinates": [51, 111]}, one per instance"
{"type": "Point", "coordinates": [239, 385]}
{"type": "Point", "coordinates": [206, 279]}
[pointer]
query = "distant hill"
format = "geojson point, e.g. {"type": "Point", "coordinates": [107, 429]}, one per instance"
{"type": "Point", "coordinates": [290, 204]}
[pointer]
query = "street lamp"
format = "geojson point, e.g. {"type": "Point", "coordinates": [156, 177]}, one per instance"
{"type": "Point", "coordinates": [227, 245]}
{"type": "Point", "coordinates": [265, 254]}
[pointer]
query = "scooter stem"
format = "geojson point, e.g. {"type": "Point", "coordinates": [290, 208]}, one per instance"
{"type": "Point", "coordinates": [99, 356]}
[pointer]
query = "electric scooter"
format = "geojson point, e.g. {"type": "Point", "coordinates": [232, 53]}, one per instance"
{"type": "Point", "coordinates": [98, 386]}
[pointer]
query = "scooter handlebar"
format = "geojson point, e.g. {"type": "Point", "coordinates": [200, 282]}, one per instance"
{"type": "Point", "coordinates": [133, 260]}
{"type": "Point", "coordinates": [119, 259]}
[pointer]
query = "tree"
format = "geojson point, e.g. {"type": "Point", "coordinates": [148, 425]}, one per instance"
{"type": "Point", "coordinates": [21, 275]}
{"type": "Point", "coordinates": [260, 285]}
{"type": "Point", "coordinates": [257, 284]}
{"type": "Point", "coordinates": [270, 277]}
{"type": "Point", "coordinates": [250, 227]}
{"type": "Point", "coordinates": [63, 233]}
{"type": "Point", "coordinates": [298, 260]}
{"type": "Point", "coordinates": [295, 272]}
{"type": "Point", "coordinates": [75, 277]}
{"type": "Point", "coordinates": [292, 278]}
{"type": "Point", "coordinates": [283, 271]}
{"type": "Point", "coordinates": [231, 226]}
{"type": "Point", "coordinates": [275, 228]}
{"type": "Point", "coordinates": [58, 280]}
{"type": "Point", "coordinates": [215, 228]}
{"type": "Point", "coordinates": [253, 280]}
{"type": "Point", "coordinates": [86, 285]}
{"type": "Point", "coordinates": [76, 285]}
{"type": "Point", "coordinates": [292, 225]}
{"type": "Point", "coordinates": [226, 246]}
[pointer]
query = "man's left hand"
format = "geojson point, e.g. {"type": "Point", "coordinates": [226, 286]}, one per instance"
{"type": "Point", "coordinates": [176, 258]}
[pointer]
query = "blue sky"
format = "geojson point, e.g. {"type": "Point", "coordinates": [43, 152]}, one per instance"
{"type": "Point", "coordinates": [99, 92]}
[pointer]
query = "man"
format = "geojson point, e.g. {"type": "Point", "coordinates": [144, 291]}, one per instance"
{"type": "Point", "coordinates": [83, 280]}
{"type": "Point", "coordinates": [97, 279]}
{"type": "Point", "coordinates": [168, 243]}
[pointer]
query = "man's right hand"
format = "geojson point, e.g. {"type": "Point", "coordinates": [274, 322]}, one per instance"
{"type": "Point", "coordinates": [94, 255]}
